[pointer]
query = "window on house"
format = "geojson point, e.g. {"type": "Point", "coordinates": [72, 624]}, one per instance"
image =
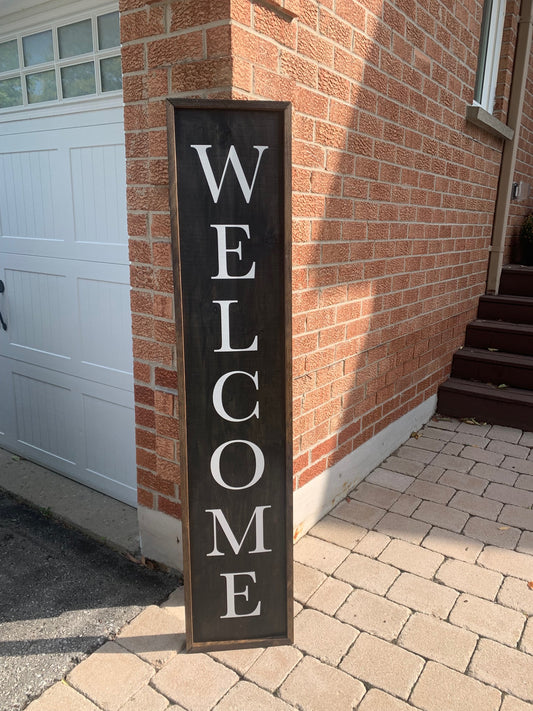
{"type": "Point", "coordinates": [65, 61]}
{"type": "Point", "coordinates": [490, 45]}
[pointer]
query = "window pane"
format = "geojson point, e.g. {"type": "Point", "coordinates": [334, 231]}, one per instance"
{"type": "Point", "coordinates": [9, 58]}
{"type": "Point", "coordinates": [108, 31]}
{"type": "Point", "coordinates": [111, 74]}
{"type": "Point", "coordinates": [10, 92]}
{"type": "Point", "coordinates": [41, 86]}
{"type": "Point", "coordinates": [38, 48]}
{"type": "Point", "coordinates": [78, 80]}
{"type": "Point", "coordinates": [75, 39]}
{"type": "Point", "coordinates": [489, 53]}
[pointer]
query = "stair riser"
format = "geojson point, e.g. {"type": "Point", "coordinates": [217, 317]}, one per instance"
{"type": "Point", "coordinates": [495, 373]}
{"type": "Point", "coordinates": [460, 405]}
{"type": "Point", "coordinates": [516, 284]}
{"type": "Point", "coordinates": [512, 313]}
{"type": "Point", "coordinates": [477, 337]}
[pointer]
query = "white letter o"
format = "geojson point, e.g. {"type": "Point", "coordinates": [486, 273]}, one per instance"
{"type": "Point", "coordinates": [259, 464]}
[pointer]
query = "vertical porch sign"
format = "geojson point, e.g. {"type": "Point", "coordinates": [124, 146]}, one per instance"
{"type": "Point", "coordinates": [230, 205]}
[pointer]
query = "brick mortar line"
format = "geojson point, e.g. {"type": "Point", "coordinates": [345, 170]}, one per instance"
{"type": "Point", "coordinates": [322, 289]}
{"type": "Point", "coordinates": [382, 201]}
{"type": "Point", "coordinates": [146, 39]}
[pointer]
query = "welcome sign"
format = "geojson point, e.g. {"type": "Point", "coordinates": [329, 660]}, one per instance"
{"type": "Point", "coordinates": [230, 202]}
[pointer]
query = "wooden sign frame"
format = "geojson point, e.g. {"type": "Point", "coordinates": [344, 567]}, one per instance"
{"type": "Point", "coordinates": [230, 197]}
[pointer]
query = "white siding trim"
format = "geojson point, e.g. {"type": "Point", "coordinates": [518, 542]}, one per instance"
{"type": "Point", "coordinates": [315, 499]}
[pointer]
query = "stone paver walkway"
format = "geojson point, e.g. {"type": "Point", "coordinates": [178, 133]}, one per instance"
{"type": "Point", "coordinates": [414, 593]}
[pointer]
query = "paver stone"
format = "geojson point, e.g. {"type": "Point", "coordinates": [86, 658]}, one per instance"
{"type": "Point", "coordinates": [377, 700]}
{"type": "Point", "coordinates": [423, 595]}
{"type": "Point", "coordinates": [273, 666]}
{"type": "Point", "coordinates": [438, 640]}
{"type": "Point", "coordinates": [337, 531]}
{"type": "Point", "coordinates": [441, 688]}
{"type": "Point", "coordinates": [61, 696]}
{"type": "Point", "coordinates": [469, 578]}
{"type": "Point", "coordinates": [316, 553]}
{"type": "Point", "coordinates": [367, 573]}
{"type": "Point", "coordinates": [179, 681]}
{"type": "Point", "coordinates": [110, 676]}
{"type": "Point", "coordinates": [374, 614]}
{"type": "Point", "coordinates": [503, 667]}
{"type": "Point", "coordinates": [384, 665]}
{"type": "Point", "coordinates": [411, 558]}
{"type": "Point", "coordinates": [322, 636]}
{"type": "Point", "coordinates": [315, 686]}
{"type": "Point", "coordinates": [245, 695]}
{"type": "Point", "coordinates": [155, 636]}
{"type": "Point", "coordinates": [493, 532]}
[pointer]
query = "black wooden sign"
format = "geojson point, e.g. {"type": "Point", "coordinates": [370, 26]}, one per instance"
{"type": "Point", "coordinates": [230, 202]}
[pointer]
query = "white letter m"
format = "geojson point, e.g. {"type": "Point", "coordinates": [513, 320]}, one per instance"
{"type": "Point", "coordinates": [232, 540]}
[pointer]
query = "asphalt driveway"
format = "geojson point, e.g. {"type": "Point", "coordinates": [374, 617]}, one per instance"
{"type": "Point", "coordinates": [62, 595]}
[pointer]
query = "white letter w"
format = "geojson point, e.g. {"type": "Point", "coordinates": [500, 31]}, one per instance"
{"type": "Point", "coordinates": [232, 158]}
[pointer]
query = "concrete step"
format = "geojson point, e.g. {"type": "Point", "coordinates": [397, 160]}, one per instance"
{"type": "Point", "coordinates": [504, 307]}
{"type": "Point", "coordinates": [493, 367]}
{"type": "Point", "coordinates": [517, 279]}
{"type": "Point", "coordinates": [511, 407]}
{"type": "Point", "coordinates": [508, 337]}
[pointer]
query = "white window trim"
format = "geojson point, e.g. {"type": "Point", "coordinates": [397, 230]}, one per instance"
{"type": "Point", "coordinates": [489, 54]}
{"type": "Point", "coordinates": [52, 19]}
{"type": "Point", "coordinates": [19, 15]}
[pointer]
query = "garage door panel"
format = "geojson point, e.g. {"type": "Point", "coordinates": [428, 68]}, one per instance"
{"type": "Point", "coordinates": [44, 418]}
{"type": "Point", "coordinates": [29, 202]}
{"type": "Point", "coordinates": [77, 322]}
{"type": "Point", "coordinates": [105, 322]}
{"type": "Point", "coordinates": [69, 188]}
{"type": "Point", "coordinates": [38, 301]}
{"type": "Point", "coordinates": [79, 428]}
{"type": "Point", "coordinates": [98, 172]}
{"type": "Point", "coordinates": [37, 314]}
{"type": "Point", "coordinates": [7, 424]}
{"type": "Point", "coordinates": [106, 424]}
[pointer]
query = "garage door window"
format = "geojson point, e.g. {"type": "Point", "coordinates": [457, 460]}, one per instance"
{"type": "Point", "coordinates": [65, 61]}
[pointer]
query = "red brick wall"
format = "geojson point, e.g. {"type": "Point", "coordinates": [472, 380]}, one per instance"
{"type": "Point", "coordinates": [167, 48]}
{"type": "Point", "coordinates": [392, 204]}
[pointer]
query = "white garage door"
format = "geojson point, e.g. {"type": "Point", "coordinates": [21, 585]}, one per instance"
{"type": "Point", "coordinates": [66, 385]}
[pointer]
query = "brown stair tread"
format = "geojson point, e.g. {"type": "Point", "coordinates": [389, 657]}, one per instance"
{"type": "Point", "coordinates": [489, 391]}
{"type": "Point", "coordinates": [512, 359]}
{"type": "Point", "coordinates": [507, 337]}
{"type": "Point", "coordinates": [502, 326]}
{"type": "Point", "coordinates": [506, 307]}
{"type": "Point", "coordinates": [510, 407]}
{"type": "Point", "coordinates": [517, 269]}
{"type": "Point", "coordinates": [508, 299]}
